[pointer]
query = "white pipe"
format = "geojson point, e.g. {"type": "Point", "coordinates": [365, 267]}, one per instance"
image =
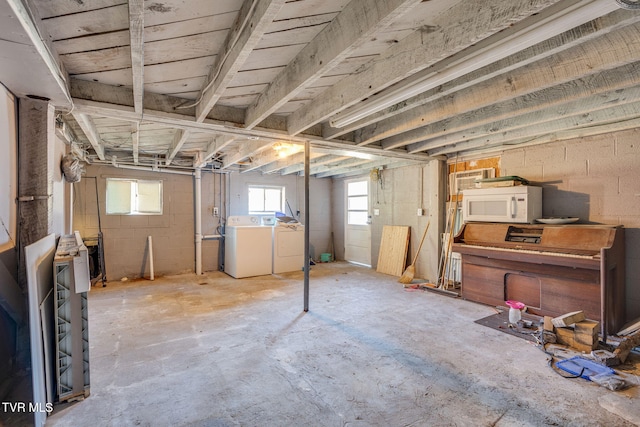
{"type": "Point", "coordinates": [186, 171]}
{"type": "Point", "coordinates": [150, 244]}
{"type": "Point", "coordinates": [149, 169]}
{"type": "Point", "coordinates": [70, 207]}
{"type": "Point", "coordinates": [198, 219]}
{"type": "Point", "coordinates": [211, 236]}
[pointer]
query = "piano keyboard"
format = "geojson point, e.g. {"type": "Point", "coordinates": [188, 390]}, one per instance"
{"type": "Point", "coordinates": [529, 251]}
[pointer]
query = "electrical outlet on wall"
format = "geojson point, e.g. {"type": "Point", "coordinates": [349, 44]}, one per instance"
{"type": "Point", "coordinates": [216, 211]}
{"type": "Point", "coordinates": [420, 212]}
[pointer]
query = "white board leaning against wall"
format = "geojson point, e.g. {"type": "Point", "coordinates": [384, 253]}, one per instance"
{"type": "Point", "coordinates": [8, 180]}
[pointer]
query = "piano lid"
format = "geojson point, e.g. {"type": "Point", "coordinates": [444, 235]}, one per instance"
{"type": "Point", "coordinates": [559, 238]}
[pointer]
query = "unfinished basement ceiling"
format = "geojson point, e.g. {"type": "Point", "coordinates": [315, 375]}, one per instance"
{"type": "Point", "coordinates": [243, 84]}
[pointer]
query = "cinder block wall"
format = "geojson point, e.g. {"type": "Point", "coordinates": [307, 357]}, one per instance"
{"type": "Point", "coordinates": [338, 215]}
{"type": "Point", "coordinates": [125, 236]}
{"type": "Point", "coordinates": [320, 225]}
{"type": "Point", "coordinates": [596, 179]}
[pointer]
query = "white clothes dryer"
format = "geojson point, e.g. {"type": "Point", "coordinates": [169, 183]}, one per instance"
{"type": "Point", "coordinates": [288, 247]}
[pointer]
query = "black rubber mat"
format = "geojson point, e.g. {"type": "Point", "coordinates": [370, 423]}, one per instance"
{"type": "Point", "coordinates": [500, 322]}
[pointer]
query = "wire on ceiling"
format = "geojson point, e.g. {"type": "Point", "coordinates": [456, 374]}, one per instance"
{"type": "Point", "coordinates": [222, 61]}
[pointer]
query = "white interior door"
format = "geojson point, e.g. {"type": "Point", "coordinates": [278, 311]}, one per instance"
{"type": "Point", "coordinates": [357, 222]}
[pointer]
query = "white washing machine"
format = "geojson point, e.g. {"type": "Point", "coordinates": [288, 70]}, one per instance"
{"type": "Point", "coordinates": [247, 247]}
{"type": "Point", "coordinates": [288, 247]}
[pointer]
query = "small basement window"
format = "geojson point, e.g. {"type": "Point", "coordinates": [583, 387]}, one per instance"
{"type": "Point", "coordinates": [266, 200]}
{"type": "Point", "coordinates": [134, 197]}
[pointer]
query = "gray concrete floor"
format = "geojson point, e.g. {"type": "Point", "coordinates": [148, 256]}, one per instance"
{"type": "Point", "coordinates": [215, 351]}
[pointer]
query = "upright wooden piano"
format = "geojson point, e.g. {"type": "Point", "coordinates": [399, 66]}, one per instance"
{"type": "Point", "coordinates": [553, 269]}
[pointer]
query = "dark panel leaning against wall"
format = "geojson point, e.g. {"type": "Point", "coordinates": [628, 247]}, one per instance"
{"type": "Point", "coordinates": [8, 325]}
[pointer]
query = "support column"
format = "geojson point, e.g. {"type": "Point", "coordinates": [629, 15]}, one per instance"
{"type": "Point", "coordinates": [36, 138]}
{"type": "Point", "coordinates": [307, 225]}
{"type": "Point", "coordinates": [198, 218]}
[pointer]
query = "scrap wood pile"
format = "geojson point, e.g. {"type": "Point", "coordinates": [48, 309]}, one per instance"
{"type": "Point", "coordinates": [575, 331]}
{"type": "Point", "coordinates": [582, 354]}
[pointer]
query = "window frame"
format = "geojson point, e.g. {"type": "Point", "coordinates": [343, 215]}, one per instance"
{"type": "Point", "coordinates": [282, 190]}
{"type": "Point", "coordinates": [358, 195]}
{"type": "Point", "coordinates": [135, 197]}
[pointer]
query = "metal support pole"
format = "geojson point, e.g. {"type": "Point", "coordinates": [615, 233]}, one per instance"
{"type": "Point", "coordinates": [307, 148]}
{"type": "Point", "coordinates": [198, 219]}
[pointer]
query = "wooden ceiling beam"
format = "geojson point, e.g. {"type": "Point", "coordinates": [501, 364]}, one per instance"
{"type": "Point", "coordinates": [249, 28]}
{"type": "Point", "coordinates": [578, 35]}
{"type": "Point", "coordinates": [261, 159]}
{"type": "Point", "coordinates": [319, 159]}
{"type": "Point", "coordinates": [537, 113]}
{"type": "Point", "coordinates": [217, 143]}
{"type": "Point", "coordinates": [253, 20]}
{"type": "Point", "coordinates": [280, 164]}
{"type": "Point", "coordinates": [355, 24]}
{"type": "Point", "coordinates": [245, 149]}
{"type": "Point", "coordinates": [272, 156]}
{"type": "Point", "coordinates": [345, 165]}
{"type": "Point", "coordinates": [351, 167]}
{"type": "Point", "coordinates": [179, 138]}
{"type": "Point", "coordinates": [136, 34]}
{"type": "Point", "coordinates": [30, 21]}
{"type": "Point", "coordinates": [135, 141]}
{"type": "Point", "coordinates": [563, 135]}
{"type": "Point", "coordinates": [459, 27]}
{"type": "Point", "coordinates": [180, 121]}
{"type": "Point", "coordinates": [621, 117]}
{"type": "Point", "coordinates": [91, 132]}
{"type": "Point", "coordinates": [605, 53]}
{"type": "Point", "coordinates": [367, 168]}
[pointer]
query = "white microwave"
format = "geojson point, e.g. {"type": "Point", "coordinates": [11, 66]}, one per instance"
{"type": "Point", "coordinates": [521, 203]}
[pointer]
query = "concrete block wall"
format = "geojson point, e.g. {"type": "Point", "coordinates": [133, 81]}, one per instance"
{"type": "Point", "coordinates": [596, 179]}
{"type": "Point", "coordinates": [320, 225]}
{"type": "Point", "coordinates": [125, 236]}
{"type": "Point", "coordinates": [338, 215]}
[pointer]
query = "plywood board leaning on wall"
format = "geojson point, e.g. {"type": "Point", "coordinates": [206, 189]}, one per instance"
{"type": "Point", "coordinates": [392, 258]}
